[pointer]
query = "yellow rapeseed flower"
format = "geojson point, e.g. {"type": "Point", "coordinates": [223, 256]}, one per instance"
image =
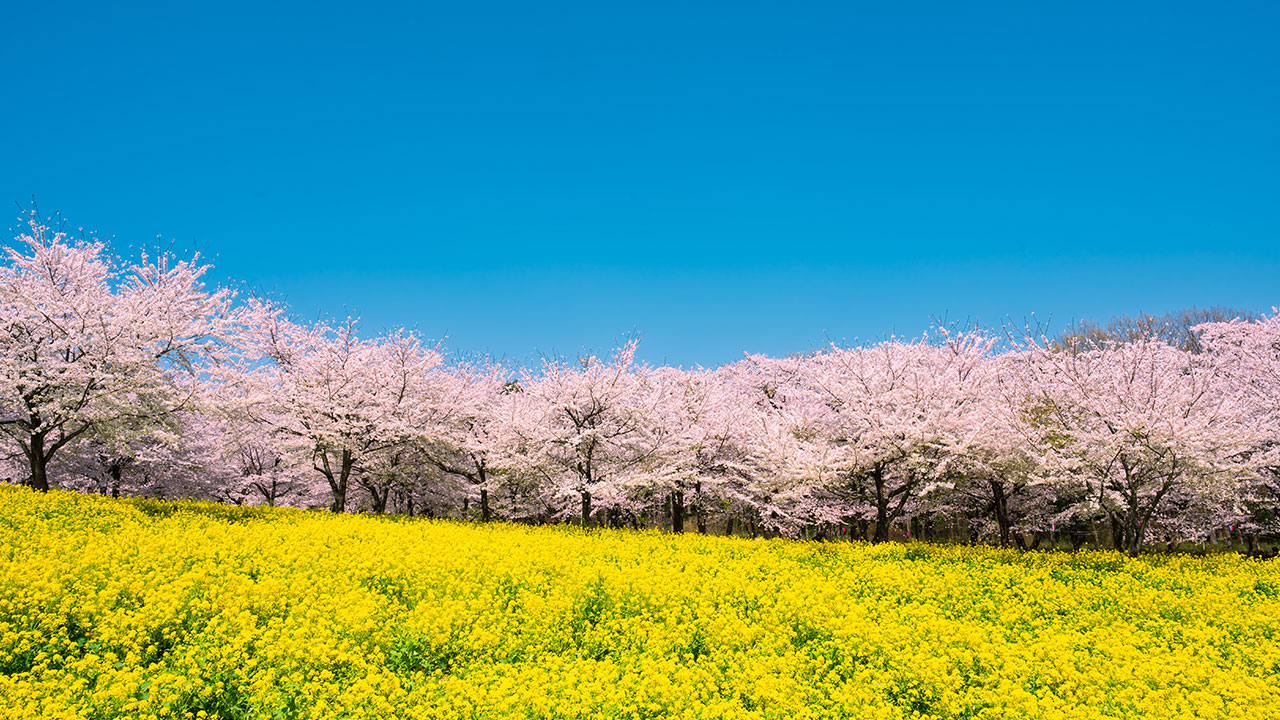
{"type": "Point", "coordinates": [115, 609]}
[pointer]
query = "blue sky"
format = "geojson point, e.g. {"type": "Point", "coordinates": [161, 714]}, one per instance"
{"type": "Point", "coordinates": [720, 177]}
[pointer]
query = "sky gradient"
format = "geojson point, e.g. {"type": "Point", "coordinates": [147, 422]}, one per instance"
{"type": "Point", "coordinates": [719, 177]}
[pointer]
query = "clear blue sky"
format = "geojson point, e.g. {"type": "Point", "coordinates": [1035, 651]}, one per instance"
{"type": "Point", "coordinates": [544, 176]}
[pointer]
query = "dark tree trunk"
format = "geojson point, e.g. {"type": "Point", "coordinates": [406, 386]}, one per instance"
{"type": "Point", "coordinates": [1118, 541]}
{"type": "Point", "coordinates": [882, 507]}
{"type": "Point", "coordinates": [677, 511]}
{"type": "Point", "coordinates": [1134, 545]}
{"type": "Point", "coordinates": [1134, 529]}
{"type": "Point", "coordinates": [1002, 511]}
{"type": "Point", "coordinates": [586, 508]}
{"type": "Point", "coordinates": [1138, 519]}
{"type": "Point", "coordinates": [700, 511]}
{"type": "Point", "coordinates": [379, 499]}
{"type": "Point", "coordinates": [880, 533]}
{"type": "Point", "coordinates": [338, 482]}
{"type": "Point", "coordinates": [39, 479]}
{"type": "Point", "coordinates": [484, 505]}
{"type": "Point", "coordinates": [728, 525]}
{"type": "Point", "coordinates": [115, 470]}
{"type": "Point", "coordinates": [1133, 534]}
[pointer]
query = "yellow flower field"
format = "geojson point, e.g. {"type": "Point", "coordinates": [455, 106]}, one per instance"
{"type": "Point", "coordinates": [152, 610]}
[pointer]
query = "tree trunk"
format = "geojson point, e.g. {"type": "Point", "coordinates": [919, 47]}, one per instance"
{"type": "Point", "coordinates": [1133, 534]}
{"type": "Point", "coordinates": [39, 479]}
{"type": "Point", "coordinates": [1118, 541]}
{"type": "Point", "coordinates": [1134, 546]}
{"type": "Point", "coordinates": [586, 508]}
{"type": "Point", "coordinates": [728, 525]}
{"type": "Point", "coordinates": [1002, 511]}
{"type": "Point", "coordinates": [677, 511]}
{"type": "Point", "coordinates": [338, 483]}
{"type": "Point", "coordinates": [700, 511]}
{"type": "Point", "coordinates": [115, 471]}
{"type": "Point", "coordinates": [882, 508]}
{"type": "Point", "coordinates": [1135, 525]}
{"type": "Point", "coordinates": [484, 505]}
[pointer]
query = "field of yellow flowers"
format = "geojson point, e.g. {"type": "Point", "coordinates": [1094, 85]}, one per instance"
{"type": "Point", "coordinates": [142, 609]}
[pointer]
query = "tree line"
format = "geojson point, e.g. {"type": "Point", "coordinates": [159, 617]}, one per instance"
{"type": "Point", "coordinates": [132, 377]}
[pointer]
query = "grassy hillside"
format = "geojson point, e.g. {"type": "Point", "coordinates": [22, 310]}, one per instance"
{"type": "Point", "coordinates": [144, 609]}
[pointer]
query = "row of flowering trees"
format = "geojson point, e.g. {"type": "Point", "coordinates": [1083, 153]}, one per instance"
{"type": "Point", "coordinates": [135, 378]}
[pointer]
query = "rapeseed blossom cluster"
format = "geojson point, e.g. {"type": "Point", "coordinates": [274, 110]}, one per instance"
{"type": "Point", "coordinates": [142, 609]}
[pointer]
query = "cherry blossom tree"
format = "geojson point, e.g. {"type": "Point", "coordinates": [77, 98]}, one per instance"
{"type": "Point", "coordinates": [133, 378]}
{"type": "Point", "coordinates": [701, 420]}
{"type": "Point", "coordinates": [260, 464]}
{"type": "Point", "coordinates": [93, 346]}
{"type": "Point", "coordinates": [998, 475]}
{"type": "Point", "coordinates": [184, 461]}
{"type": "Point", "coordinates": [462, 439]}
{"type": "Point", "coordinates": [579, 428]}
{"type": "Point", "coordinates": [341, 399]}
{"type": "Point", "coordinates": [793, 460]}
{"type": "Point", "coordinates": [1135, 423]}
{"type": "Point", "coordinates": [875, 428]}
{"type": "Point", "coordinates": [1248, 353]}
